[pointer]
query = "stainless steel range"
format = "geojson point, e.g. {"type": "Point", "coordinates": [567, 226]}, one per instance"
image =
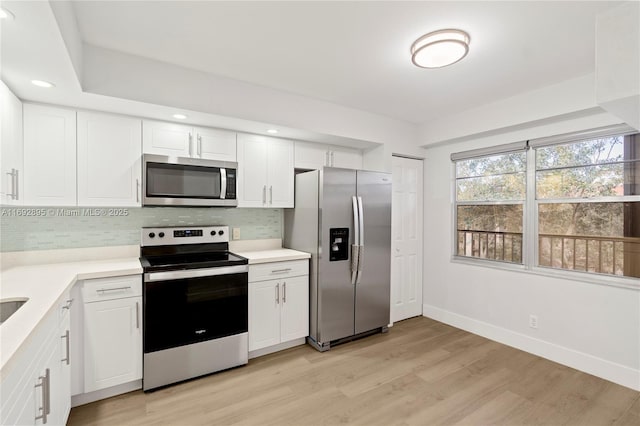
{"type": "Point", "coordinates": [195, 304]}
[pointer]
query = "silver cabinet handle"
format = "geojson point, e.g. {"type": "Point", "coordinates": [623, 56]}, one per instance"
{"type": "Point", "coordinates": [199, 146]}
{"type": "Point", "coordinates": [331, 155]}
{"type": "Point", "coordinates": [138, 315]}
{"type": "Point", "coordinates": [66, 337]}
{"type": "Point", "coordinates": [278, 293]}
{"type": "Point", "coordinates": [68, 305]}
{"type": "Point", "coordinates": [190, 145]}
{"type": "Point", "coordinates": [46, 406]}
{"type": "Point", "coordinates": [271, 194]}
{"type": "Point", "coordinates": [264, 194]}
{"type": "Point", "coordinates": [137, 190]}
{"type": "Point", "coordinates": [113, 289]}
{"type": "Point", "coordinates": [284, 292]}
{"type": "Point", "coordinates": [14, 184]}
{"type": "Point", "coordinates": [279, 271]}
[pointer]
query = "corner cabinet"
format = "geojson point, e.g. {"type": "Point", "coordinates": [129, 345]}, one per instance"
{"type": "Point", "coordinates": [49, 156]}
{"type": "Point", "coordinates": [37, 388]}
{"type": "Point", "coordinates": [109, 146]}
{"type": "Point", "coordinates": [278, 304]}
{"type": "Point", "coordinates": [311, 155]}
{"type": "Point", "coordinates": [179, 140]}
{"type": "Point", "coordinates": [265, 171]}
{"type": "Point", "coordinates": [11, 164]}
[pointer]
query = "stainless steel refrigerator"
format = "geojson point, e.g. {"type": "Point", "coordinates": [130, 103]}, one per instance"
{"type": "Point", "coordinates": [343, 218]}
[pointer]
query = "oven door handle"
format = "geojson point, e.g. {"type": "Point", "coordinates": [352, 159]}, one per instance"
{"type": "Point", "coordinates": [194, 273]}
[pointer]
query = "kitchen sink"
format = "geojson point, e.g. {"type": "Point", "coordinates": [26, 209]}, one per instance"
{"type": "Point", "coordinates": [9, 307]}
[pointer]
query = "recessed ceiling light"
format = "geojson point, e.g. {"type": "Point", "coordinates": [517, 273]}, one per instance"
{"type": "Point", "coordinates": [272, 131]}
{"type": "Point", "coordinates": [179, 116]}
{"type": "Point", "coordinates": [440, 48]}
{"type": "Point", "coordinates": [42, 83]}
{"type": "Point", "coordinates": [6, 14]}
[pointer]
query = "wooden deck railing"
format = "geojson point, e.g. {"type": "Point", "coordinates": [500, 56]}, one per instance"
{"type": "Point", "coordinates": [608, 255]}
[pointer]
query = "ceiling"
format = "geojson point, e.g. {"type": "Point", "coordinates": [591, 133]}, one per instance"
{"type": "Point", "coordinates": [331, 71]}
{"type": "Point", "coordinates": [356, 54]}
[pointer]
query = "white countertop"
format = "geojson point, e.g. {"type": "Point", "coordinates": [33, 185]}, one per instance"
{"type": "Point", "coordinates": [272, 255]}
{"type": "Point", "coordinates": [44, 285]}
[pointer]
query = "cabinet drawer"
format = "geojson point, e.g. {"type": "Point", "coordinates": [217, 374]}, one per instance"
{"type": "Point", "coordinates": [276, 270]}
{"type": "Point", "coordinates": [111, 288]}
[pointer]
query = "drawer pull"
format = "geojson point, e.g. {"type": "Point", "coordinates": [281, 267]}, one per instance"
{"type": "Point", "coordinates": [113, 289]}
{"type": "Point", "coordinates": [280, 271]}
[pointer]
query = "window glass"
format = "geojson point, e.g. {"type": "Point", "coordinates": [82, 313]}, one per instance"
{"type": "Point", "coordinates": [586, 234]}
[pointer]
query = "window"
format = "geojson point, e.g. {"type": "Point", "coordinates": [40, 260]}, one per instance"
{"type": "Point", "coordinates": [490, 194]}
{"type": "Point", "coordinates": [581, 200]}
{"type": "Point", "coordinates": [587, 205]}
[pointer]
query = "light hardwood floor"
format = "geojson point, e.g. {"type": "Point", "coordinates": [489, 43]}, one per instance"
{"type": "Point", "coordinates": [420, 373]}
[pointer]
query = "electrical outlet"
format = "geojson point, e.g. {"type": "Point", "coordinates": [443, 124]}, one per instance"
{"type": "Point", "coordinates": [533, 321]}
{"type": "Point", "coordinates": [236, 233]}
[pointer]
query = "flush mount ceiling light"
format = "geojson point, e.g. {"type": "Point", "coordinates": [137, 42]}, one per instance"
{"type": "Point", "coordinates": [6, 14]}
{"type": "Point", "coordinates": [272, 131]}
{"type": "Point", "coordinates": [179, 116]}
{"type": "Point", "coordinates": [42, 83]}
{"type": "Point", "coordinates": [440, 48]}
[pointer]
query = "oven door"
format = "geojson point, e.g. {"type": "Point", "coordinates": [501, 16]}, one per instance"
{"type": "Point", "coordinates": [191, 306]}
{"type": "Point", "coordinates": [188, 181]}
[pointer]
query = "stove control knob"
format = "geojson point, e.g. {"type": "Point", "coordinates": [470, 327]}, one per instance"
{"type": "Point", "coordinates": [221, 232]}
{"type": "Point", "coordinates": [152, 234]}
{"type": "Point", "coordinates": [213, 233]}
{"type": "Point", "coordinates": [161, 234]}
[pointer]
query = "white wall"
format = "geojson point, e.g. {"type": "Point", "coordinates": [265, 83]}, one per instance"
{"type": "Point", "coordinates": [591, 327]}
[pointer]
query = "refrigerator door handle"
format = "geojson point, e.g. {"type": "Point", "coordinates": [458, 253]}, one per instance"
{"type": "Point", "coordinates": [356, 238]}
{"type": "Point", "coordinates": [355, 256]}
{"type": "Point", "coordinates": [360, 236]}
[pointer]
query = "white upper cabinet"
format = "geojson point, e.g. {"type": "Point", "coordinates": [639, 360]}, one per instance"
{"type": "Point", "coordinates": [49, 156]}
{"type": "Point", "coordinates": [11, 167]}
{"type": "Point", "coordinates": [265, 171]}
{"type": "Point", "coordinates": [170, 139]}
{"type": "Point", "coordinates": [214, 144]}
{"type": "Point", "coordinates": [311, 155]}
{"type": "Point", "coordinates": [178, 140]}
{"type": "Point", "coordinates": [109, 166]}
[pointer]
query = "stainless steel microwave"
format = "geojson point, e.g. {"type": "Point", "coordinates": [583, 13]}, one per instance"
{"type": "Point", "coordinates": [178, 181]}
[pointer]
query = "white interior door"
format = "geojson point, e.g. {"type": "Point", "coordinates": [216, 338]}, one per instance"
{"type": "Point", "coordinates": [406, 246]}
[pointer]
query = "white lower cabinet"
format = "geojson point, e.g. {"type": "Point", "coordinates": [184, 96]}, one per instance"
{"type": "Point", "coordinates": [112, 331]}
{"type": "Point", "coordinates": [35, 389]}
{"type": "Point", "coordinates": [278, 303]}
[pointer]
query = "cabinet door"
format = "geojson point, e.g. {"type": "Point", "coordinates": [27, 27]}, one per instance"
{"type": "Point", "coordinates": [252, 171]}
{"type": "Point", "coordinates": [11, 147]}
{"type": "Point", "coordinates": [49, 156]}
{"type": "Point", "coordinates": [215, 144]}
{"type": "Point", "coordinates": [113, 343]}
{"type": "Point", "coordinates": [294, 320]}
{"type": "Point", "coordinates": [309, 155]}
{"type": "Point", "coordinates": [345, 158]}
{"type": "Point", "coordinates": [109, 166]}
{"type": "Point", "coordinates": [280, 176]}
{"type": "Point", "coordinates": [170, 139]}
{"type": "Point", "coordinates": [61, 399]}
{"type": "Point", "coordinates": [264, 314]}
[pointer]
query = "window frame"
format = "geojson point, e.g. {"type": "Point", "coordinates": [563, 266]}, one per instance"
{"type": "Point", "coordinates": [530, 225]}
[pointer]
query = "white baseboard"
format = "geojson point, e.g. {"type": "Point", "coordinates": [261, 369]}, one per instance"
{"type": "Point", "coordinates": [617, 373]}
{"type": "Point", "coordinates": [276, 348]}
{"type": "Point", "coordinates": [86, 398]}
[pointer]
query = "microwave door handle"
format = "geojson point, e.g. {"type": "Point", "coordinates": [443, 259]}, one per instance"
{"type": "Point", "coordinates": [223, 183]}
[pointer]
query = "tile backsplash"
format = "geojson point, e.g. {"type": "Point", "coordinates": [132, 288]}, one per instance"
{"type": "Point", "coordinates": [46, 228]}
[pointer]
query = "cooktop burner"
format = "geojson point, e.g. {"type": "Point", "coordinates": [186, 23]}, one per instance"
{"type": "Point", "coordinates": [187, 248]}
